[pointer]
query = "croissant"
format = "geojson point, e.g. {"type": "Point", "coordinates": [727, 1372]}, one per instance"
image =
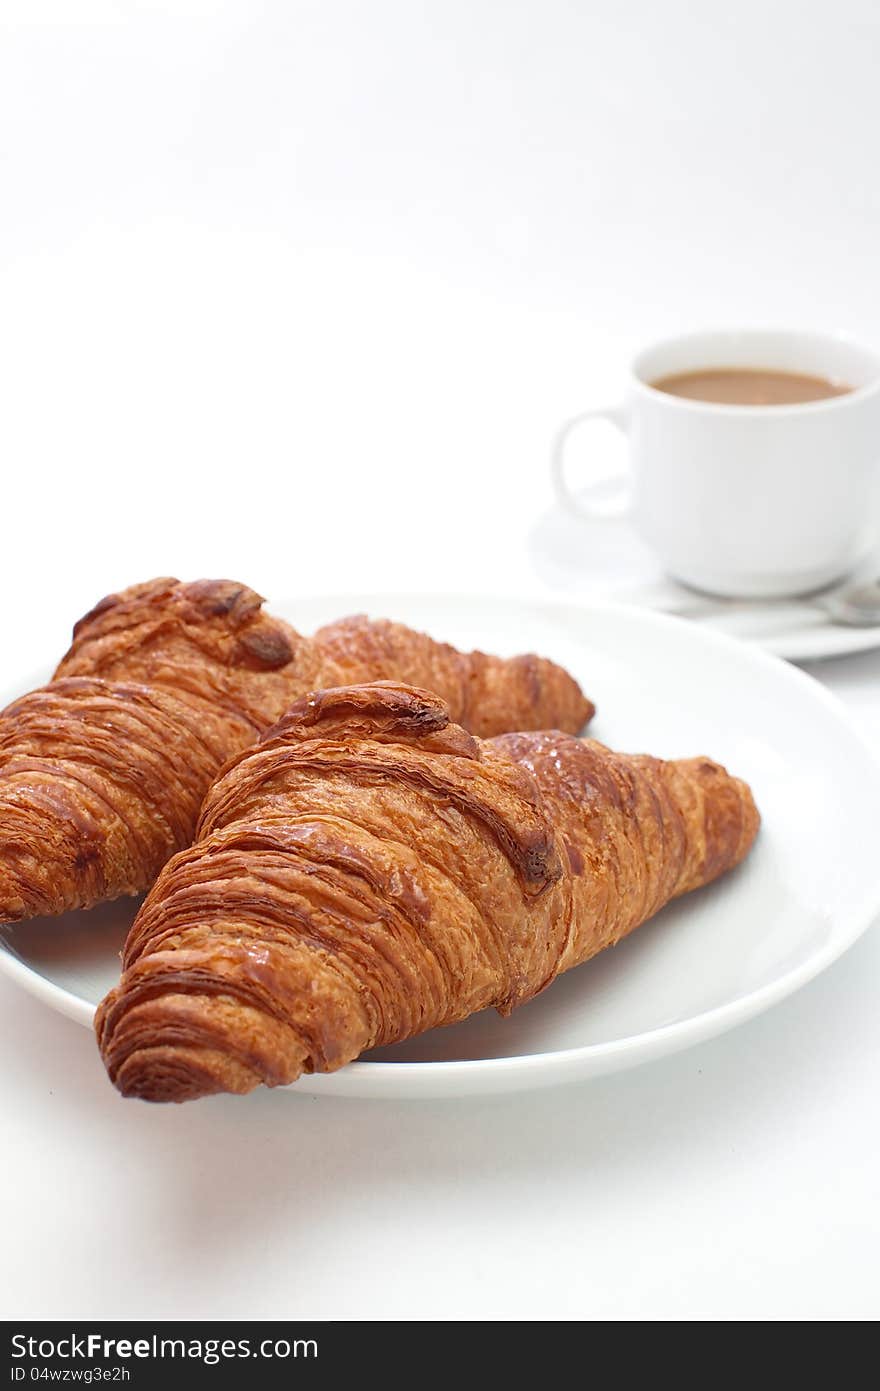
{"type": "Point", "coordinates": [371, 870]}
{"type": "Point", "coordinates": [103, 771]}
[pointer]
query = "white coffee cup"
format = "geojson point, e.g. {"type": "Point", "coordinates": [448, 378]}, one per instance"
{"type": "Point", "coordinates": [750, 501]}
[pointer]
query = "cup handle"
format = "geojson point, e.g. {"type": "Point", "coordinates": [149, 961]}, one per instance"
{"type": "Point", "coordinates": [604, 508]}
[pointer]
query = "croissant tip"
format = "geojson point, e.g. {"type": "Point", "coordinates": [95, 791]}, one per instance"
{"type": "Point", "coordinates": [398, 707]}
{"type": "Point", "coordinates": [146, 1078]}
{"type": "Point", "coordinates": [161, 1068]}
{"type": "Point", "coordinates": [22, 898]}
{"type": "Point", "coordinates": [155, 1091]}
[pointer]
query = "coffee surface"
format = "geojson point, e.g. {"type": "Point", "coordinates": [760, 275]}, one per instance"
{"type": "Point", "coordinates": [749, 386]}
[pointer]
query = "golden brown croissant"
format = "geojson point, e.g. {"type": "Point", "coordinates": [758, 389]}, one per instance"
{"type": "Point", "coordinates": [370, 870]}
{"type": "Point", "coordinates": [103, 771]}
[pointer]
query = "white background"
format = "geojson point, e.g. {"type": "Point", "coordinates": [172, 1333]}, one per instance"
{"type": "Point", "coordinates": [296, 292]}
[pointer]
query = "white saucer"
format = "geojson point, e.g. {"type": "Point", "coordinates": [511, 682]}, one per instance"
{"type": "Point", "coordinates": [605, 560]}
{"type": "Point", "coordinates": [708, 962]}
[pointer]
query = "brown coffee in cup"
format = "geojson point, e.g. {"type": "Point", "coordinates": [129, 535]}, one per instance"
{"type": "Point", "coordinates": [749, 386]}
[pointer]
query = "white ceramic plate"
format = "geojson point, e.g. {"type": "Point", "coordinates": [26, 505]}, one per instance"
{"type": "Point", "coordinates": [605, 560]}
{"type": "Point", "coordinates": [708, 962]}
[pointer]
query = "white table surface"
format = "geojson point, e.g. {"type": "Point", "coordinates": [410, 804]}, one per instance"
{"type": "Point", "coordinates": [296, 293]}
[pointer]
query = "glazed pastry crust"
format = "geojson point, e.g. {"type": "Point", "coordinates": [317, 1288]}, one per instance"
{"type": "Point", "coordinates": [103, 771]}
{"type": "Point", "coordinates": [487, 695]}
{"type": "Point", "coordinates": [371, 870]}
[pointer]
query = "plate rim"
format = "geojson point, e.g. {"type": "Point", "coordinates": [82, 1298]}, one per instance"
{"type": "Point", "coordinates": [377, 1080]}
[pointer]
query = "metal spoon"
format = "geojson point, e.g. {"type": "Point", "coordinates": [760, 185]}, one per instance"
{"type": "Point", "coordinates": [856, 605]}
